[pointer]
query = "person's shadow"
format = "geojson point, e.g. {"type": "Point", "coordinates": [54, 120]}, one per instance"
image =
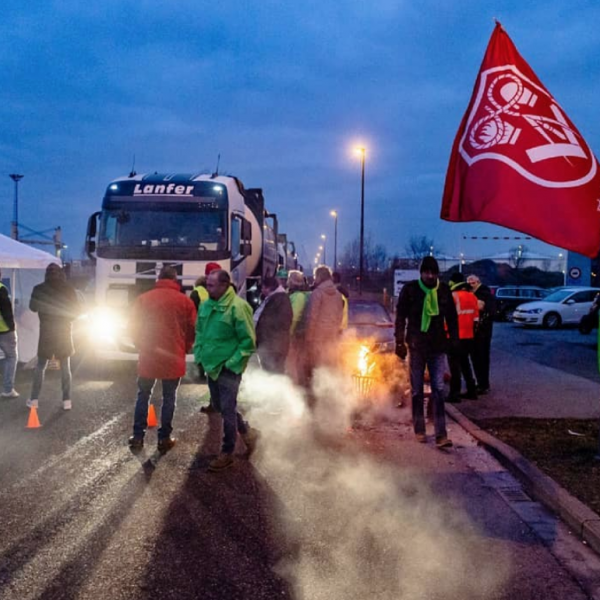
{"type": "Point", "coordinates": [220, 537]}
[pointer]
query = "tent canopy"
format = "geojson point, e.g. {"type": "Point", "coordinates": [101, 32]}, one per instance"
{"type": "Point", "coordinates": [16, 255]}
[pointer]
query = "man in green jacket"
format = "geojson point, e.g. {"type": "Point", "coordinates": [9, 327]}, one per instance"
{"type": "Point", "coordinates": [225, 340]}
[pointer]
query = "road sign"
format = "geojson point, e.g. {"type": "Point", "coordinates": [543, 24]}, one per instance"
{"type": "Point", "coordinates": [574, 272]}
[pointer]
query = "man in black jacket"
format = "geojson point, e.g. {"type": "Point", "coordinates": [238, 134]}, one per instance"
{"type": "Point", "coordinates": [8, 344]}
{"type": "Point", "coordinates": [273, 320]}
{"type": "Point", "coordinates": [426, 320]}
{"type": "Point", "coordinates": [483, 333]}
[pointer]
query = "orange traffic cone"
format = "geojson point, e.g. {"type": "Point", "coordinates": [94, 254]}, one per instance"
{"type": "Point", "coordinates": [33, 422]}
{"type": "Point", "coordinates": [152, 422]}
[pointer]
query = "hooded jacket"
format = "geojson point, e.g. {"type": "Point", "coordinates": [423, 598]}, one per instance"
{"type": "Point", "coordinates": [162, 327]}
{"type": "Point", "coordinates": [324, 313]}
{"type": "Point", "coordinates": [225, 335]}
{"type": "Point", "coordinates": [57, 306]}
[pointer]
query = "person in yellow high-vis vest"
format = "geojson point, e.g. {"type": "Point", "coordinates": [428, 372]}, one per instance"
{"type": "Point", "coordinates": [8, 344]}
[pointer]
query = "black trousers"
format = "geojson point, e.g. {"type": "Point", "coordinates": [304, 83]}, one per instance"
{"type": "Point", "coordinates": [481, 357]}
{"type": "Point", "coordinates": [460, 365]}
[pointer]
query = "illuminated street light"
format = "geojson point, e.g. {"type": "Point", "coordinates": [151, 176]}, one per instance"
{"type": "Point", "coordinates": [334, 214]}
{"type": "Point", "coordinates": [362, 152]}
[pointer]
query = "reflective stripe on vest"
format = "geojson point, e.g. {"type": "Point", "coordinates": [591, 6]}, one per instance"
{"type": "Point", "coordinates": [3, 326]}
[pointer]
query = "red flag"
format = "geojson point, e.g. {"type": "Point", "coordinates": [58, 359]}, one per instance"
{"type": "Point", "coordinates": [518, 160]}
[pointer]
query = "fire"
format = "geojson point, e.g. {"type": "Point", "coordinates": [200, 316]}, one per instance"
{"type": "Point", "coordinates": [365, 364]}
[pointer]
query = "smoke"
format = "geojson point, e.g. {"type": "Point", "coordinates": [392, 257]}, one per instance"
{"type": "Point", "coordinates": [360, 527]}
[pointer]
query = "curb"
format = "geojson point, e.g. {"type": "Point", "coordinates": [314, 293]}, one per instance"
{"type": "Point", "coordinates": [581, 519]}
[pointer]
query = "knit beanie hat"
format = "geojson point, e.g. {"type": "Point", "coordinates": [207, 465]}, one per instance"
{"type": "Point", "coordinates": [210, 267]}
{"type": "Point", "coordinates": [429, 264]}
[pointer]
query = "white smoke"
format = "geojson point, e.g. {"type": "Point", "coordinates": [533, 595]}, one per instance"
{"type": "Point", "coordinates": [360, 528]}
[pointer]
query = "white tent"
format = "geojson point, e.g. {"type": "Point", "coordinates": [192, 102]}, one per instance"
{"type": "Point", "coordinates": [23, 267]}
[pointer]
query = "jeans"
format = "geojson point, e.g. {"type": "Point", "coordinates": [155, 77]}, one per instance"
{"type": "Point", "coordinates": [8, 345]}
{"type": "Point", "coordinates": [140, 416]}
{"type": "Point", "coordinates": [65, 377]}
{"type": "Point", "coordinates": [460, 364]}
{"type": "Point", "coordinates": [436, 364]}
{"type": "Point", "coordinates": [223, 393]}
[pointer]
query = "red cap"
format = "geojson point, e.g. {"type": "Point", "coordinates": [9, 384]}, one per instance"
{"type": "Point", "coordinates": [210, 267]}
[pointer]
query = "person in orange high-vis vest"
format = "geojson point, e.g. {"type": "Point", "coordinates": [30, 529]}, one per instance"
{"type": "Point", "coordinates": [460, 360]}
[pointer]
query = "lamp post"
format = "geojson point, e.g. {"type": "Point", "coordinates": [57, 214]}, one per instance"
{"type": "Point", "coordinates": [14, 226]}
{"type": "Point", "coordinates": [324, 238]}
{"type": "Point", "coordinates": [334, 214]}
{"type": "Point", "coordinates": [362, 152]}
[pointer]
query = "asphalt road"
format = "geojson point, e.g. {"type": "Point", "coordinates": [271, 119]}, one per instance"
{"type": "Point", "coordinates": [323, 510]}
{"type": "Point", "coordinates": [564, 349]}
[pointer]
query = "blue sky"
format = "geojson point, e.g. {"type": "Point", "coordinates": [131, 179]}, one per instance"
{"type": "Point", "coordinates": [282, 91]}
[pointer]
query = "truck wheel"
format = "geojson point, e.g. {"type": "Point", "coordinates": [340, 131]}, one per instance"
{"type": "Point", "coordinates": [552, 321]}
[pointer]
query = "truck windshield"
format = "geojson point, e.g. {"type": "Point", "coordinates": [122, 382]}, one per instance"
{"type": "Point", "coordinates": [131, 233]}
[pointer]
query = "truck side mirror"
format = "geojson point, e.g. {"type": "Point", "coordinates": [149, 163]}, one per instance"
{"type": "Point", "coordinates": [246, 232]}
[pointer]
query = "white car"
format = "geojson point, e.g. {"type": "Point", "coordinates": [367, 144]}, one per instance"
{"type": "Point", "coordinates": [565, 305]}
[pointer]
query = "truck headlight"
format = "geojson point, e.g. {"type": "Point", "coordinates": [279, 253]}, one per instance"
{"type": "Point", "coordinates": [106, 324]}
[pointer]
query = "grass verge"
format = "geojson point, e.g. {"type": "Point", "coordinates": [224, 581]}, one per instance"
{"type": "Point", "coordinates": [564, 449]}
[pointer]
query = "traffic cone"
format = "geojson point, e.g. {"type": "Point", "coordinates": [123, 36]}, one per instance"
{"type": "Point", "coordinates": [152, 422]}
{"type": "Point", "coordinates": [33, 422]}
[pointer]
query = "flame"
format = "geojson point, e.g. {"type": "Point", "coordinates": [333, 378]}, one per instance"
{"type": "Point", "coordinates": [365, 365]}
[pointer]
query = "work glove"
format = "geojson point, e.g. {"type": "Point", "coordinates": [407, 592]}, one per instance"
{"type": "Point", "coordinates": [401, 351]}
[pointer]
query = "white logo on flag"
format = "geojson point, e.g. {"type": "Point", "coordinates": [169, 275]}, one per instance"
{"type": "Point", "coordinates": [515, 121]}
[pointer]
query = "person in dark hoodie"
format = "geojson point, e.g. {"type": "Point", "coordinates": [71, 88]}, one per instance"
{"type": "Point", "coordinates": [57, 306]}
{"type": "Point", "coordinates": [273, 321]}
{"type": "Point", "coordinates": [427, 322]}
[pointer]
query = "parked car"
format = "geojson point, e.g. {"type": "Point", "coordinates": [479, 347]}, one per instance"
{"type": "Point", "coordinates": [370, 322]}
{"type": "Point", "coordinates": [567, 305]}
{"type": "Point", "coordinates": [589, 321]}
{"type": "Point", "coordinates": [510, 296]}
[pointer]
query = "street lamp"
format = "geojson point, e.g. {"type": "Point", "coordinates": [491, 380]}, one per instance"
{"type": "Point", "coordinates": [334, 214]}
{"type": "Point", "coordinates": [324, 248]}
{"type": "Point", "coordinates": [14, 226]}
{"type": "Point", "coordinates": [362, 152]}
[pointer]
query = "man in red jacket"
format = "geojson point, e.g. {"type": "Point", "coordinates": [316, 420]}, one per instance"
{"type": "Point", "coordinates": [163, 328]}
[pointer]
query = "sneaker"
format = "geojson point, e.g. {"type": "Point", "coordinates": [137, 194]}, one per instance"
{"type": "Point", "coordinates": [165, 444]}
{"type": "Point", "coordinates": [32, 403]}
{"type": "Point", "coordinates": [453, 399]}
{"type": "Point", "coordinates": [67, 405]}
{"type": "Point", "coordinates": [421, 438]}
{"type": "Point", "coordinates": [443, 442]}
{"type": "Point", "coordinates": [482, 390]}
{"type": "Point", "coordinates": [135, 443]}
{"type": "Point", "coordinates": [469, 395]}
{"type": "Point", "coordinates": [250, 438]}
{"type": "Point", "coordinates": [222, 462]}
{"type": "Point", "coordinates": [12, 394]}
{"type": "Point", "coordinates": [208, 409]}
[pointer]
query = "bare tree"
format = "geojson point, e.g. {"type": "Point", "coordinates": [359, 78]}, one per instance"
{"type": "Point", "coordinates": [517, 256]}
{"type": "Point", "coordinates": [375, 256]}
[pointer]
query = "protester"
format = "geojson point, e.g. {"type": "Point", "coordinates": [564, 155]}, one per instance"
{"type": "Point", "coordinates": [57, 306]}
{"type": "Point", "coordinates": [459, 361]}
{"type": "Point", "coordinates": [298, 292]}
{"type": "Point", "coordinates": [225, 340]}
{"type": "Point", "coordinates": [324, 315]}
{"type": "Point", "coordinates": [162, 327]}
{"type": "Point", "coordinates": [426, 320]}
{"type": "Point", "coordinates": [273, 320]}
{"type": "Point", "coordinates": [483, 334]}
{"type": "Point", "coordinates": [200, 294]}
{"type": "Point", "coordinates": [8, 344]}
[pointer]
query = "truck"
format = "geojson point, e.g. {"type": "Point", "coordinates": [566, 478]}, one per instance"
{"type": "Point", "coordinates": [183, 220]}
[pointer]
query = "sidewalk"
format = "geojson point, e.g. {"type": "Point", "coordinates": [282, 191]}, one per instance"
{"type": "Point", "coordinates": [524, 388]}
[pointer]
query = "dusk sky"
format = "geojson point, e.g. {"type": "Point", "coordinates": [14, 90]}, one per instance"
{"type": "Point", "coordinates": [282, 91]}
